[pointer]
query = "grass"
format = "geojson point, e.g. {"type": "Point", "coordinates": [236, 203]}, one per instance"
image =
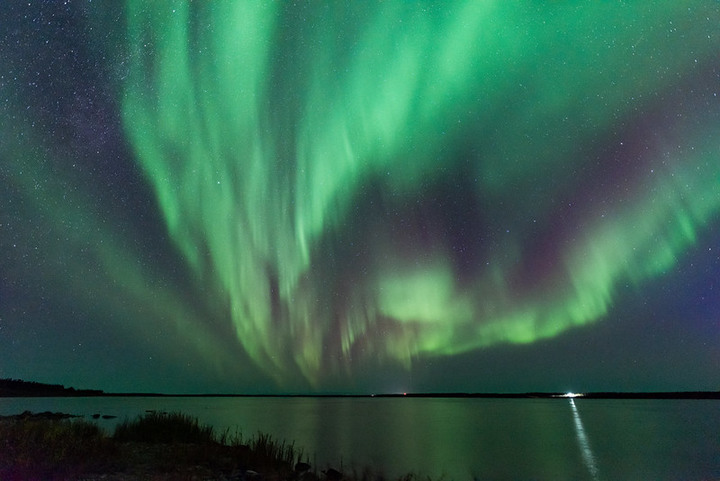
{"type": "Point", "coordinates": [260, 451]}
{"type": "Point", "coordinates": [174, 444]}
{"type": "Point", "coordinates": [52, 449]}
{"type": "Point", "coordinates": [267, 450]}
{"type": "Point", "coordinates": [154, 446]}
{"type": "Point", "coordinates": [164, 428]}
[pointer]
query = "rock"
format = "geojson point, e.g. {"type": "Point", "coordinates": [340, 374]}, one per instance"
{"type": "Point", "coordinates": [332, 474]}
{"type": "Point", "coordinates": [253, 475]}
{"type": "Point", "coordinates": [47, 415]}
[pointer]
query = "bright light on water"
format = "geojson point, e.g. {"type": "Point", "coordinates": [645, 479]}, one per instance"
{"type": "Point", "coordinates": [583, 442]}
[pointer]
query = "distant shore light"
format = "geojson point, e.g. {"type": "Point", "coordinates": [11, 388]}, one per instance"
{"type": "Point", "coordinates": [573, 394]}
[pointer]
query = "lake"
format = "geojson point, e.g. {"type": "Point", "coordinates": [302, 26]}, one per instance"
{"type": "Point", "coordinates": [493, 439]}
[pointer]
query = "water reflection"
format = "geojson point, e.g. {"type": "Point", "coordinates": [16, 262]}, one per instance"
{"type": "Point", "coordinates": [455, 439]}
{"type": "Point", "coordinates": [583, 442]}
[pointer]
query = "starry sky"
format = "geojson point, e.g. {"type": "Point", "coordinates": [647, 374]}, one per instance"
{"type": "Point", "coordinates": [277, 197]}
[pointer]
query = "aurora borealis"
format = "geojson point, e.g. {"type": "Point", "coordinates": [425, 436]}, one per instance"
{"type": "Point", "coordinates": [361, 196]}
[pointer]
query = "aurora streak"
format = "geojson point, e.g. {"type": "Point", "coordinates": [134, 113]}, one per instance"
{"type": "Point", "coordinates": [354, 184]}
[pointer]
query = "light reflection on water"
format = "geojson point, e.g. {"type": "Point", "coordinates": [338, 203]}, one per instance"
{"type": "Point", "coordinates": [584, 443]}
{"type": "Point", "coordinates": [457, 439]}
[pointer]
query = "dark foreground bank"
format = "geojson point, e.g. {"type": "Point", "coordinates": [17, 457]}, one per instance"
{"type": "Point", "coordinates": [157, 446]}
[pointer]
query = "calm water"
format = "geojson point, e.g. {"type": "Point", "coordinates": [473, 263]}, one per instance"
{"type": "Point", "coordinates": [496, 439]}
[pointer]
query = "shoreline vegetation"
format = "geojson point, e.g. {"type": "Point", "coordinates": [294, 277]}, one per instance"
{"type": "Point", "coordinates": [157, 446]}
{"type": "Point", "coordinates": [20, 388]}
{"type": "Point", "coordinates": [175, 446]}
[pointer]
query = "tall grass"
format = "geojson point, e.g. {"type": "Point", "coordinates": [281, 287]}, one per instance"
{"type": "Point", "coordinates": [260, 451]}
{"type": "Point", "coordinates": [168, 445]}
{"type": "Point", "coordinates": [51, 449]}
{"type": "Point", "coordinates": [166, 429]}
{"type": "Point", "coordinates": [263, 450]}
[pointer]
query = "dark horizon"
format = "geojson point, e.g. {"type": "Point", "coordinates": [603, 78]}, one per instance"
{"type": "Point", "coordinates": [21, 388]}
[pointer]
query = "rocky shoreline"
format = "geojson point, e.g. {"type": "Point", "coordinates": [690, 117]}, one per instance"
{"type": "Point", "coordinates": [42, 416]}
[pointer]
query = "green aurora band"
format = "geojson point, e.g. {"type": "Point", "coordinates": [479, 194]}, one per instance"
{"type": "Point", "coordinates": [277, 141]}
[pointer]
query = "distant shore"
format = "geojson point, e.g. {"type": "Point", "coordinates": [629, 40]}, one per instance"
{"type": "Point", "coordinates": [19, 388]}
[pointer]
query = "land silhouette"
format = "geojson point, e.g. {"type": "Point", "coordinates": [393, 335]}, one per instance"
{"type": "Point", "coordinates": [20, 388]}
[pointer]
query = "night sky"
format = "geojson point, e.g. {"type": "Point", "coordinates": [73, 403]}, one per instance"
{"type": "Point", "coordinates": [360, 196]}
